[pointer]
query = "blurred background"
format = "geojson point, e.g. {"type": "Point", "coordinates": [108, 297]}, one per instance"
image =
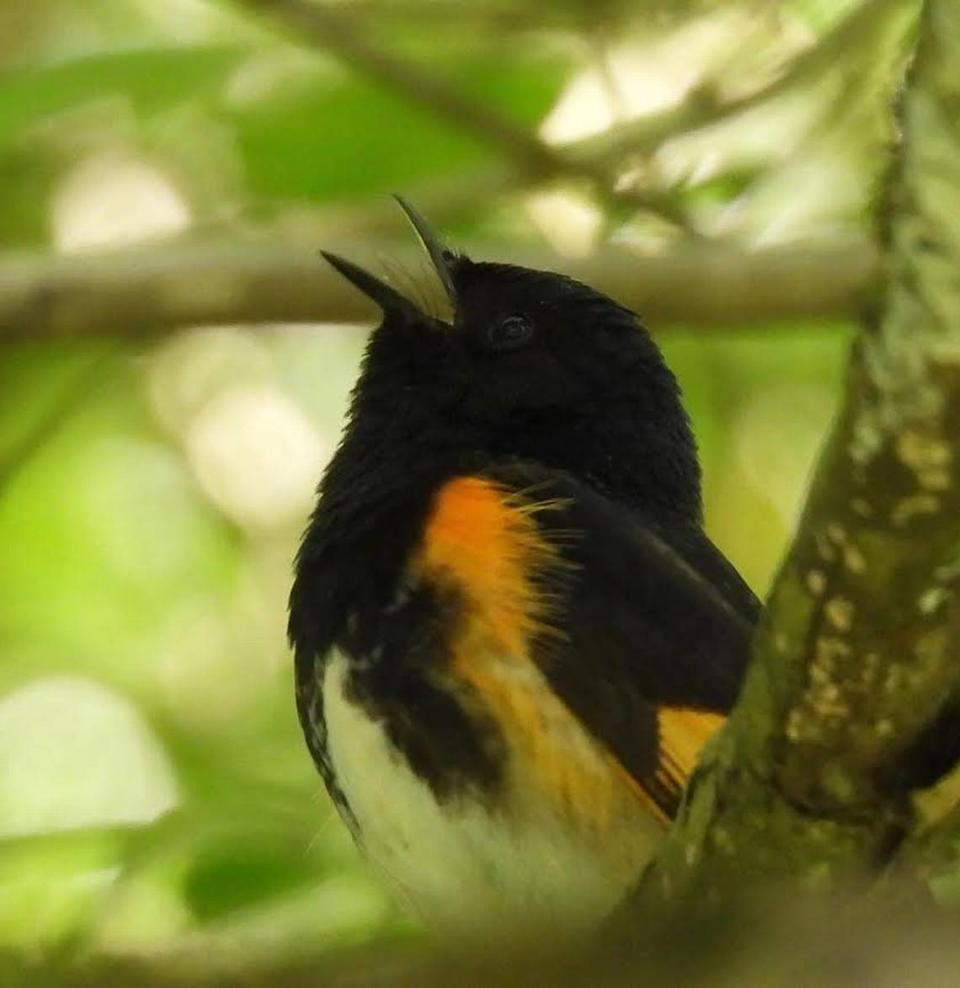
{"type": "Point", "coordinates": [175, 362]}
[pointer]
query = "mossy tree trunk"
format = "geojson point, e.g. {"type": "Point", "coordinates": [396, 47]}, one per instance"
{"type": "Point", "coordinates": [852, 704]}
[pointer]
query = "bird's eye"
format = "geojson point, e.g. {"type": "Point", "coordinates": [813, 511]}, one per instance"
{"type": "Point", "coordinates": [509, 333]}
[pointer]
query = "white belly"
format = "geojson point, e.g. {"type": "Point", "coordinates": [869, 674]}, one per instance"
{"type": "Point", "coordinates": [468, 868]}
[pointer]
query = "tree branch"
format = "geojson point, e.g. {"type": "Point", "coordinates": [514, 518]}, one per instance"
{"type": "Point", "coordinates": [703, 107]}
{"type": "Point", "coordinates": [595, 158]}
{"type": "Point", "coordinates": [851, 702]}
{"type": "Point", "coordinates": [532, 159]}
{"type": "Point", "coordinates": [157, 288]}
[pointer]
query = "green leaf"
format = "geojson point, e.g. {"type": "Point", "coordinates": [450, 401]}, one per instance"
{"type": "Point", "coordinates": [353, 137]}
{"type": "Point", "coordinates": [150, 78]}
{"type": "Point", "coordinates": [234, 876]}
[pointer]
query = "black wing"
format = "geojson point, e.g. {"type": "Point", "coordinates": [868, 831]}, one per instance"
{"type": "Point", "coordinates": [657, 627]}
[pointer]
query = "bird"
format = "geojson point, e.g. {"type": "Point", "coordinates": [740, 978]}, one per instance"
{"type": "Point", "coordinates": [512, 635]}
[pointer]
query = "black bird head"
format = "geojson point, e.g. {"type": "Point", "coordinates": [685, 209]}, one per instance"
{"type": "Point", "coordinates": [532, 365]}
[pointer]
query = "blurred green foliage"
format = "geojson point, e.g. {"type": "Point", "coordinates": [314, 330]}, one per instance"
{"type": "Point", "coordinates": [155, 795]}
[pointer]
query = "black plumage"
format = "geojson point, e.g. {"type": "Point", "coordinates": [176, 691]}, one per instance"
{"type": "Point", "coordinates": [558, 397]}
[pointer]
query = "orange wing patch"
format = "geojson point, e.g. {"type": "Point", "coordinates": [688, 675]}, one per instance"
{"type": "Point", "coordinates": [683, 733]}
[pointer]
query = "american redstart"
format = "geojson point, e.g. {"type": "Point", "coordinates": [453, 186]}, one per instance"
{"type": "Point", "coordinates": [512, 634]}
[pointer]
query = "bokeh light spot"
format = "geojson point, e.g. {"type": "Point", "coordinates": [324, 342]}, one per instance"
{"type": "Point", "coordinates": [256, 456]}
{"type": "Point", "coordinates": [112, 199]}
{"type": "Point", "coordinates": [74, 753]}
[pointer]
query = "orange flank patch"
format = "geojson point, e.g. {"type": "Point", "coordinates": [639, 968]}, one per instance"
{"type": "Point", "coordinates": [486, 543]}
{"type": "Point", "coordinates": [683, 733]}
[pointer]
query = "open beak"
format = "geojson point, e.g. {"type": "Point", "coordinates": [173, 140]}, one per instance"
{"type": "Point", "coordinates": [441, 256]}
{"type": "Point", "coordinates": [389, 299]}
